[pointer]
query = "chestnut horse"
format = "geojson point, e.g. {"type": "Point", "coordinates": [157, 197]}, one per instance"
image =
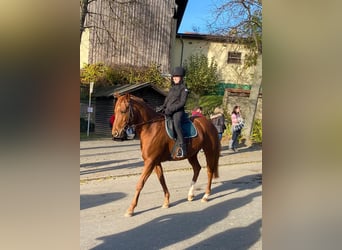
{"type": "Point", "coordinates": [156, 146]}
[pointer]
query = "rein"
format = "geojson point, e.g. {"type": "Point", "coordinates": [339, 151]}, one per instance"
{"type": "Point", "coordinates": [131, 118]}
{"type": "Point", "coordinates": [147, 122]}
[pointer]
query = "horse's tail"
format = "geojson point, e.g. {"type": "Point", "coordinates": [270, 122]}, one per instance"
{"type": "Point", "coordinates": [216, 161]}
{"type": "Point", "coordinates": [211, 146]}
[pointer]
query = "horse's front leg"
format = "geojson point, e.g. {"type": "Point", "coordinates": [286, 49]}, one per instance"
{"type": "Point", "coordinates": [160, 175]}
{"type": "Point", "coordinates": [147, 170]}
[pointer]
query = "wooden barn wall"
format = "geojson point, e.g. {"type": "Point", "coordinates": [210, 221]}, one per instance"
{"type": "Point", "coordinates": [150, 96]}
{"type": "Point", "coordinates": [104, 108]}
{"type": "Point", "coordinates": [103, 111]}
{"type": "Point", "coordinates": [136, 33]}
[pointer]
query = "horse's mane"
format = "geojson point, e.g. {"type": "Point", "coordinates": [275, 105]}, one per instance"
{"type": "Point", "coordinates": [143, 103]}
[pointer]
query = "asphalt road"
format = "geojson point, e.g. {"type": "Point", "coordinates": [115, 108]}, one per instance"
{"type": "Point", "coordinates": [230, 220]}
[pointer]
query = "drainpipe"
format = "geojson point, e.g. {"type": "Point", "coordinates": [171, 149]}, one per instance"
{"type": "Point", "coordinates": [181, 60]}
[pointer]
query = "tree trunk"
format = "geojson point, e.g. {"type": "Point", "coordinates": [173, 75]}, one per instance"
{"type": "Point", "coordinates": [253, 102]}
{"type": "Point", "coordinates": [84, 12]}
{"type": "Point", "coordinates": [225, 102]}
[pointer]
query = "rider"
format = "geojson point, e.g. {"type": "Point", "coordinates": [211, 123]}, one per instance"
{"type": "Point", "coordinates": [174, 106]}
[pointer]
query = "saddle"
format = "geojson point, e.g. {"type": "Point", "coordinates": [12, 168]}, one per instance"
{"type": "Point", "coordinates": [188, 128]}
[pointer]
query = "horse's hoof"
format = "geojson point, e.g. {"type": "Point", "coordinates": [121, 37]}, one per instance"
{"type": "Point", "coordinates": [191, 197]}
{"type": "Point", "coordinates": [204, 200]}
{"type": "Point", "coordinates": [128, 214]}
{"type": "Point", "coordinates": [165, 206]}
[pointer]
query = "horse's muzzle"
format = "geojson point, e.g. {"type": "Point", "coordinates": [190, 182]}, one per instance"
{"type": "Point", "coordinates": [118, 135]}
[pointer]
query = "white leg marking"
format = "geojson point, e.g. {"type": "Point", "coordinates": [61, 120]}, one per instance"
{"type": "Point", "coordinates": [192, 187]}
{"type": "Point", "coordinates": [205, 196]}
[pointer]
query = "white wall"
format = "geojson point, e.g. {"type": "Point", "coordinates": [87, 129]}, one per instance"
{"type": "Point", "coordinates": [228, 73]}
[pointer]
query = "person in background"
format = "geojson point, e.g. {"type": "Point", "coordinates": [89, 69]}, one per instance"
{"type": "Point", "coordinates": [130, 133]}
{"type": "Point", "coordinates": [218, 120]}
{"type": "Point", "coordinates": [111, 121]}
{"type": "Point", "coordinates": [174, 106]}
{"type": "Point", "coordinates": [237, 125]}
{"type": "Point", "coordinates": [197, 111]}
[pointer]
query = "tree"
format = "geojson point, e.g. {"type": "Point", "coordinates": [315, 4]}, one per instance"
{"type": "Point", "coordinates": [83, 14]}
{"type": "Point", "coordinates": [201, 75]}
{"type": "Point", "coordinates": [105, 15]}
{"type": "Point", "coordinates": [242, 19]}
{"type": "Point", "coordinates": [104, 75]}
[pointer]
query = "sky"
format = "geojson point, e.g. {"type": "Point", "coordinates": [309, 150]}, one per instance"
{"type": "Point", "coordinates": [196, 13]}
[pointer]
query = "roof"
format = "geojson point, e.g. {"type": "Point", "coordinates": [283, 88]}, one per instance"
{"type": "Point", "coordinates": [127, 88]}
{"type": "Point", "coordinates": [181, 5]}
{"type": "Point", "coordinates": [206, 37]}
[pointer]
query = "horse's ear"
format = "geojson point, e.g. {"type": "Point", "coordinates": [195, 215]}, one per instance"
{"type": "Point", "coordinates": [116, 94]}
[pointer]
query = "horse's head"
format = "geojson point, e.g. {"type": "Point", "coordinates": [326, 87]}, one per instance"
{"type": "Point", "coordinates": [123, 116]}
{"type": "Point", "coordinates": [131, 110]}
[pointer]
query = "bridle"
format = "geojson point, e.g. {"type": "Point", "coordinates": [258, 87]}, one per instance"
{"type": "Point", "coordinates": [129, 121]}
{"type": "Point", "coordinates": [130, 117]}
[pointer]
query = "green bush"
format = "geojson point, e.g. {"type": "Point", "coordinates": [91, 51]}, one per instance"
{"type": "Point", "coordinates": [208, 103]}
{"type": "Point", "coordinates": [201, 75]}
{"type": "Point", "coordinates": [114, 74]}
{"type": "Point", "coordinates": [97, 73]}
{"type": "Point", "coordinates": [84, 125]}
{"type": "Point", "coordinates": [257, 131]}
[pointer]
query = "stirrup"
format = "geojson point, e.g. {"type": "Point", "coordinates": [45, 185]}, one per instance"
{"type": "Point", "coordinates": [180, 153]}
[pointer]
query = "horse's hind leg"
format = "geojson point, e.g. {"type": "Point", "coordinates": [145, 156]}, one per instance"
{"type": "Point", "coordinates": [160, 175]}
{"type": "Point", "coordinates": [212, 171]}
{"type": "Point", "coordinates": [208, 189]}
{"type": "Point", "coordinates": [147, 170]}
{"type": "Point", "coordinates": [196, 168]}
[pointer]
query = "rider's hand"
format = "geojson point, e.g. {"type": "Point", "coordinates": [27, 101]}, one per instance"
{"type": "Point", "coordinates": [160, 109]}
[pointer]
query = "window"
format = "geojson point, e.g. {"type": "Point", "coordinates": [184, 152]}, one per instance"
{"type": "Point", "coordinates": [234, 57]}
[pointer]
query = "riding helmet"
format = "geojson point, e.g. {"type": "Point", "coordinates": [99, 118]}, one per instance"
{"type": "Point", "coordinates": [178, 71]}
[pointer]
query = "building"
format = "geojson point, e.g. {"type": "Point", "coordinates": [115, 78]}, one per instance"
{"type": "Point", "coordinates": [144, 32]}
{"type": "Point", "coordinates": [137, 33]}
{"type": "Point", "coordinates": [226, 51]}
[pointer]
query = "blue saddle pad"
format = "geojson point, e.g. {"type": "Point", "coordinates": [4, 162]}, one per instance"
{"type": "Point", "coordinates": [188, 128]}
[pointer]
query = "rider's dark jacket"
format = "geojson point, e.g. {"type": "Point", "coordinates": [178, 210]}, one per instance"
{"type": "Point", "coordinates": [176, 99]}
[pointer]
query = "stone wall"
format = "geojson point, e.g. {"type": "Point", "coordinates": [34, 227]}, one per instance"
{"type": "Point", "coordinates": [240, 97]}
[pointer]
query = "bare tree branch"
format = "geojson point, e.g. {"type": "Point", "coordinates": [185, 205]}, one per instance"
{"type": "Point", "coordinates": [243, 20]}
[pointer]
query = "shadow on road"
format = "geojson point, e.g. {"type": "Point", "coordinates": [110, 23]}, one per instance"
{"type": "Point", "coordinates": [113, 146]}
{"type": "Point", "coordinates": [87, 201]}
{"type": "Point", "coordinates": [241, 149]}
{"type": "Point", "coordinates": [170, 229]}
{"type": "Point", "coordinates": [102, 163]}
{"type": "Point", "coordinates": [239, 238]}
{"type": "Point", "coordinates": [108, 153]}
{"type": "Point", "coordinates": [245, 182]}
